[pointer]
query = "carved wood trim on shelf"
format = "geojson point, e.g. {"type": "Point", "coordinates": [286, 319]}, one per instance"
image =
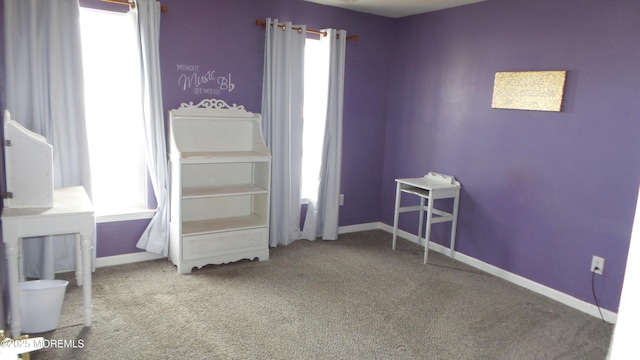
{"type": "Point", "coordinates": [211, 104]}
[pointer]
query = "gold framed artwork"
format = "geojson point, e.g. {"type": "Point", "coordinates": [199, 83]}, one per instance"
{"type": "Point", "coordinates": [529, 90]}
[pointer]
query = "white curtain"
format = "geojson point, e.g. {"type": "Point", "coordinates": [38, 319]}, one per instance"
{"type": "Point", "coordinates": [282, 104]}
{"type": "Point", "coordinates": [155, 238]}
{"type": "Point", "coordinates": [44, 92]}
{"type": "Point", "coordinates": [322, 217]}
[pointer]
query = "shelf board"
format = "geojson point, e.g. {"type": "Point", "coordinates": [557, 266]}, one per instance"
{"type": "Point", "coordinates": [222, 190]}
{"type": "Point", "coordinates": [223, 224]}
{"type": "Point", "coordinates": [223, 157]}
{"type": "Point", "coordinates": [417, 191]}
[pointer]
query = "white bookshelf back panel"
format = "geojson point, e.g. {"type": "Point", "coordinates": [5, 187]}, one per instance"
{"type": "Point", "coordinates": [217, 207]}
{"type": "Point", "coordinates": [199, 175]}
{"type": "Point", "coordinates": [205, 135]}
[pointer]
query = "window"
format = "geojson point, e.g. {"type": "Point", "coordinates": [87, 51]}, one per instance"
{"type": "Point", "coordinates": [316, 87]}
{"type": "Point", "coordinates": [113, 111]}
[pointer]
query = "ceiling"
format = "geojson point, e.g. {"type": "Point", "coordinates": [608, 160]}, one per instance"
{"type": "Point", "coordinates": [395, 8]}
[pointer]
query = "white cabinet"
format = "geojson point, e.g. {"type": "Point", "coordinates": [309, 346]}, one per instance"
{"type": "Point", "coordinates": [220, 174]}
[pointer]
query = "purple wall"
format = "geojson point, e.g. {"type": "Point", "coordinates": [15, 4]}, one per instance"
{"type": "Point", "coordinates": [117, 238]}
{"type": "Point", "coordinates": [542, 191]}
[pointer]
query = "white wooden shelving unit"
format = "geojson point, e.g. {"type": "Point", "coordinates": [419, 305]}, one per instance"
{"type": "Point", "coordinates": [220, 179]}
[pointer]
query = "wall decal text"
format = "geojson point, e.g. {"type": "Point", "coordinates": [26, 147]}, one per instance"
{"type": "Point", "coordinates": [206, 82]}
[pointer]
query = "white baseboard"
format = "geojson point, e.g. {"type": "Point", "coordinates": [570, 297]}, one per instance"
{"type": "Point", "coordinates": [126, 259]}
{"type": "Point", "coordinates": [609, 316]}
{"type": "Point", "coordinates": [359, 227]}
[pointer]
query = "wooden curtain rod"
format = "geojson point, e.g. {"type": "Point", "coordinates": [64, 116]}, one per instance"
{"type": "Point", "coordinates": [132, 4]}
{"type": "Point", "coordinates": [323, 33]}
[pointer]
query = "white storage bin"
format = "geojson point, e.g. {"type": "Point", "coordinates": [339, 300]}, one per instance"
{"type": "Point", "coordinates": [40, 304]}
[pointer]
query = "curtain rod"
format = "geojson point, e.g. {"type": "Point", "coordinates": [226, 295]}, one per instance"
{"type": "Point", "coordinates": [323, 33]}
{"type": "Point", "coordinates": [163, 8]}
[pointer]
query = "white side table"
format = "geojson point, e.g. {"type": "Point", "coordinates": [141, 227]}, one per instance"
{"type": "Point", "coordinates": [429, 188]}
{"type": "Point", "coordinates": [72, 213]}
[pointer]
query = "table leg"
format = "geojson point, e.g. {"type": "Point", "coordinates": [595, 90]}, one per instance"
{"type": "Point", "coordinates": [21, 275]}
{"type": "Point", "coordinates": [395, 216]}
{"type": "Point", "coordinates": [421, 219]}
{"type": "Point", "coordinates": [86, 243]}
{"type": "Point", "coordinates": [454, 223]}
{"type": "Point", "coordinates": [48, 267]}
{"type": "Point", "coordinates": [12, 253]}
{"type": "Point", "coordinates": [427, 231]}
{"type": "Point", "coordinates": [79, 264]}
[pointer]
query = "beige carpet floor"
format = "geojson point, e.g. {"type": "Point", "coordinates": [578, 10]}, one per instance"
{"type": "Point", "coordinates": [353, 298]}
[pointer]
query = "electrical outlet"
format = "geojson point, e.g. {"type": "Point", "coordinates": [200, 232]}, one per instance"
{"type": "Point", "coordinates": [597, 264]}
{"type": "Point", "coordinates": [341, 199]}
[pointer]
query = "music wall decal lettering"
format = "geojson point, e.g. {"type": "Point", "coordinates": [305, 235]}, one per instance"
{"type": "Point", "coordinates": [206, 82]}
